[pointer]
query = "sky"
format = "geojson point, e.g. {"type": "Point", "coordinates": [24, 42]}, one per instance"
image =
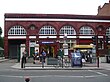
{"type": "Point", "coordinates": [79, 7]}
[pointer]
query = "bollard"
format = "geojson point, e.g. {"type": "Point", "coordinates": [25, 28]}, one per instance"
{"type": "Point", "coordinates": [27, 79]}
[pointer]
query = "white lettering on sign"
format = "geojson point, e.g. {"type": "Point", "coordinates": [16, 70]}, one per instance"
{"type": "Point", "coordinates": [47, 42]}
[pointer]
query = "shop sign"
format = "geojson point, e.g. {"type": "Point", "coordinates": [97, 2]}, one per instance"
{"type": "Point", "coordinates": [32, 44]}
{"type": "Point", "coordinates": [47, 42]}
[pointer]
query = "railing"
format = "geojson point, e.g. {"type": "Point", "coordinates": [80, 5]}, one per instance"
{"type": "Point", "coordinates": [59, 62]}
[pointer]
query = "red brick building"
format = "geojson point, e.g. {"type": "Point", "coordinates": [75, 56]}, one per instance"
{"type": "Point", "coordinates": [104, 10]}
{"type": "Point", "coordinates": [47, 31]}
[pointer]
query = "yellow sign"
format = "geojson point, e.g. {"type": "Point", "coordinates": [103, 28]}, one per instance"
{"type": "Point", "coordinates": [82, 46]}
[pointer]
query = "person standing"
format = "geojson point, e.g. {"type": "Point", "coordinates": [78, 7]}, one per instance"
{"type": "Point", "coordinates": [61, 54]}
{"type": "Point", "coordinates": [24, 56]}
{"type": "Point", "coordinates": [35, 56]}
{"type": "Point", "coordinates": [43, 54]}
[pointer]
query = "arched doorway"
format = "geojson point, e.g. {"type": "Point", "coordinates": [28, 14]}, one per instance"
{"type": "Point", "coordinates": [49, 48]}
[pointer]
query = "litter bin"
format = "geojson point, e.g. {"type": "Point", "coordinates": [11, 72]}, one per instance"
{"type": "Point", "coordinates": [76, 59]}
{"type": "Point", "coordinates": [108, 59]}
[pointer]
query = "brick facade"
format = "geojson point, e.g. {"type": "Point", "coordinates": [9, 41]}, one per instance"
{"type": "Point", "coordinates": [99, 24]}
{"type": "Point", "coordinates": [104, 10]}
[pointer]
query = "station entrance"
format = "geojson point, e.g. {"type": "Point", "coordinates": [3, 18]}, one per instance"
{"type": "Point", "coordinates": [14, 48]}
{"type": "Point", "coordinates": [49, 48]}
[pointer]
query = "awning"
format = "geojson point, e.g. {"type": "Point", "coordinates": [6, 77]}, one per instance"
{"type": "Point", "coordinates": [82, 46]}
{"type": "Point", "coordinates": [1, 49]}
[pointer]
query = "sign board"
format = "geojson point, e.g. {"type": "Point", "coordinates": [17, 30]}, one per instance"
{"type": "Point", "coordinates": [47, 42]}
{"type": "Point", "coordinates": [65, 46]}
{"type": "Point", "coordinates": [65, 51]}
{"type": "Point", "coordinates": [32, 44]}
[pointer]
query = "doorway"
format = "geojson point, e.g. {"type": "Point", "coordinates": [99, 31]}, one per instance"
{"type": "Point", "coordinates": [14, 48]}
{"type": "Point", "coordinates": [50, 50]}
{"type": "Point", "coordinates": [32, 51]}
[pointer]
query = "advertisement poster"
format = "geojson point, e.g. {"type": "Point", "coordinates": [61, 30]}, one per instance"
{"type": "Point", "coordinates": [65, 51]}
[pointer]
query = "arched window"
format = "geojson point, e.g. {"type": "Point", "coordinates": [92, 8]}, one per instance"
{"type": "Point", "coordinates": [108, 31]}
{"type": "Point", "coordinates": [17, 30]}
{"type": "Point", "coordinates": [48, 30]}
{"type": "Point", "coordinates": [69, 30]}
{"type": "Point", "coordinates": [86, 30]}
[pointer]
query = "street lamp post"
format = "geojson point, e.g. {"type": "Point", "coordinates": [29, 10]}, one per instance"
{"type": "Point", "coordinates": [95, 42]}
{"type": "Point", "coordinates": [65, 37]}
{"type": "Point", "coordinates": [65, 46]}
{"type": "Point", "coordinates": [97, 51]}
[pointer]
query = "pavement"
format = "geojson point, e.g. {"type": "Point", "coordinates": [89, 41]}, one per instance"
{"type": "Point", "coordinates": [31, 66]}
{"type": "Point", "coordinates": [38, 66]}
{"type": "Point", "coordinates": [2, 59]}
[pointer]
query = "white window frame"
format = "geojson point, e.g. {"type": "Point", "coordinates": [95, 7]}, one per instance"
{"type": "Point", "coordinates": [86, 30]}
{"type": "Point", "coordinates": [17, 30]}
{"type": "Point", "coordinates": [47, 30]}
{"type": "Point", "coordinates": [69, 30]}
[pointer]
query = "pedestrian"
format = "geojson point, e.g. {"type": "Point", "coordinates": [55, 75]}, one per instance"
{"type": "Point", "coordinates": [35, 56]}
{"type": "Point", "coordinates": [43, 55]}
{"type": "Point", "coordinates": [61, 54]}
{"type": "Point", "coordinates": [40, 57]}
{"type": "Point", "coordinates": [24, 56]}
{"type": "Point", "coordinates": [83, 59]}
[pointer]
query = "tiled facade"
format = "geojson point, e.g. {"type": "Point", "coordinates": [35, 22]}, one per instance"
{"type": "Point", "coordinates": [48, 30]}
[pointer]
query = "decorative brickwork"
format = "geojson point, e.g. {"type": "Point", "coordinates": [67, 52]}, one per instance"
{"type": "Point", "coordinates": [104, 10]}
{"type": "Point", "coordinates": [84, 27]}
